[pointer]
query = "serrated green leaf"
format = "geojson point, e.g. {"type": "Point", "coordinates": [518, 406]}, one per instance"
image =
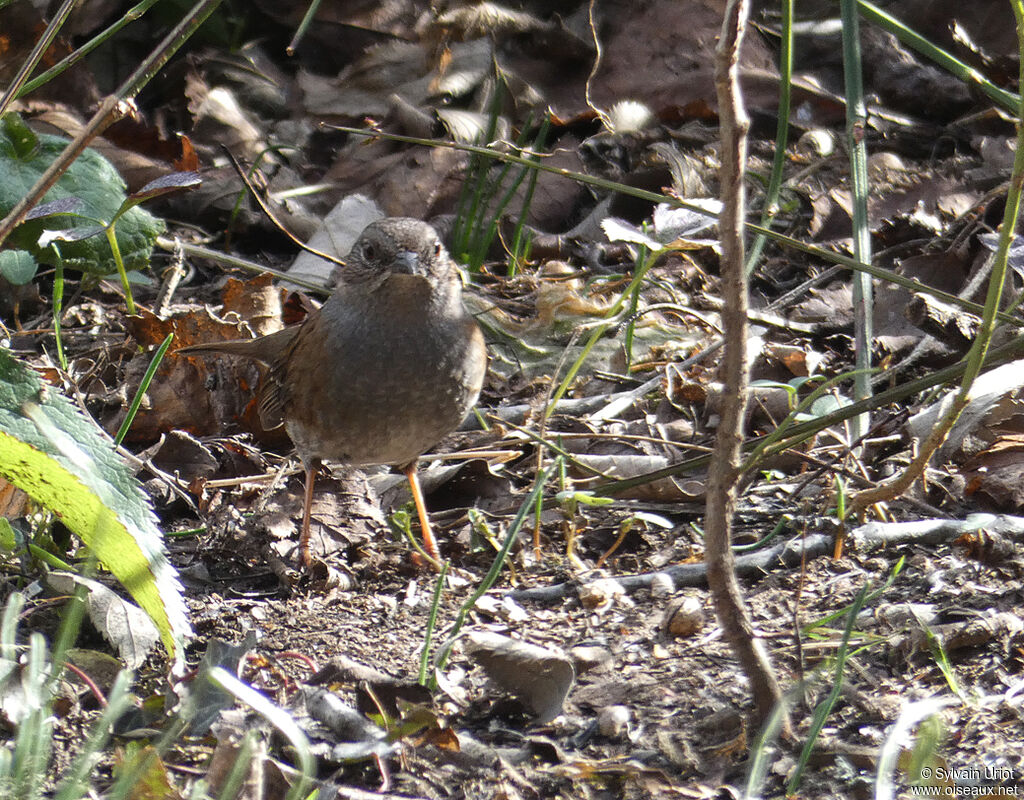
{"type": "Point", "coordinates": [58, 457]}
{"type": "Point", "coordinates": [92, 180]}
{"type": "Point", "coordinates": [17, 266]}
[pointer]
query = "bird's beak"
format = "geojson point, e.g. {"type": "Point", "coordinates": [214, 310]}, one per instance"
{"type": "Point", "coordinates": [408, 262]}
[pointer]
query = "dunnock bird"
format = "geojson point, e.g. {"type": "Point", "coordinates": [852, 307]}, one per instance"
{"type": "Point", "coordinates": [389, 366]}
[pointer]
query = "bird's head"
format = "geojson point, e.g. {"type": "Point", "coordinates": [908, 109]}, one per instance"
{"type": "Point", "coordinates": [399, 248]}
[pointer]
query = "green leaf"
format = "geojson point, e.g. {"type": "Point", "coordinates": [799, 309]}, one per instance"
{"type": "Point", "coordinates": [823, 406]}
{"type": "Point", "coordinates": [165, 184]}
{"type": "Point", "coordinates": [764, 383]}
{"type": "Point", "coordinates": [586, 498]}
{"type": "Point", "coordinates": [93, 181]}
{"type": "Point", "coordinates": [8, 538]}
{"type": "Point", "coordinates": [22, 138]}
{"type": "Point", "coordinates": [59, 458]}
{"type": "Point", "coordinates": [17, 266]}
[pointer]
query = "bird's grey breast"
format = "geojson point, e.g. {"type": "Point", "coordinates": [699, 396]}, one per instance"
{"type": "Point", "coordinates": [399, 378]}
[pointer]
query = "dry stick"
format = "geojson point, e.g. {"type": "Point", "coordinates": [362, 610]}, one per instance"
{"type": "Point", "coordinates": [723, 471]}
{"type": "Point", "coordinates": [869, 537]}
{"type": "Point", "coordinates": [270, 214]}
{"type": "Point", "coordinates": [38, 51]}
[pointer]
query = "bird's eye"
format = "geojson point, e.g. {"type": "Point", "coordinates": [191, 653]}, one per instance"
{"type": "Point", "coordinates": [369, 251]}
{"type": "Point", "coordinates": [437, 249]}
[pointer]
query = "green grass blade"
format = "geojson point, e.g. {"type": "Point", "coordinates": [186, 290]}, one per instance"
{"type": "Point", "coordinates": [856, 125]}
{"type": "Point", "coordinates": [1008, 100]}
{"type": "Point", "coordinates": [133, 409]}
{"type": "Point", "coordinates": [821, 713]}
{"type": "Point", "coordinates": [771, 197]}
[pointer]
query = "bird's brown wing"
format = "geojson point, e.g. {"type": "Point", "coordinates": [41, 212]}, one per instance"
{"type": "Point", "coordinates": [273, 395]}
{"type": "Point", "coordinates": [272, 350]}
{"type": "Point", "coordinates": [277, 384]}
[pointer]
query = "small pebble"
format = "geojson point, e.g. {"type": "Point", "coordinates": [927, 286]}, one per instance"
{"type": "Point", "coordinates": [601, 594]}
{"type": "Point", "coordinates": [662, 585]}
{"type": "Point", "coordinates": [613, 721]}
{"type": "Point", "coordinates": [684, 617]}
{"type": "Point", "coordinates": [588, 657]}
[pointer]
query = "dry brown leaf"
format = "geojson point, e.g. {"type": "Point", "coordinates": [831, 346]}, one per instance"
{"type": "Point", "coordinates": [13, 501]}
{"type": "Point", "coordinates": [997, 474]}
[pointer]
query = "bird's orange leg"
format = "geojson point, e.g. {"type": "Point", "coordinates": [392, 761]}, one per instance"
{"type": "Point", "coordinates": [429, 542]}
{"type": "Point", "coordinates": [307, 510]}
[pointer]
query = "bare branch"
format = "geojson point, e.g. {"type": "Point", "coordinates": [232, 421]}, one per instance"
{"type": "Point", "coordinates": [723, 472]}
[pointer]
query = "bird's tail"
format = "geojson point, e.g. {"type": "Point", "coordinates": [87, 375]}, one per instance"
{"type": "Point", "coordinates": [236, 347]}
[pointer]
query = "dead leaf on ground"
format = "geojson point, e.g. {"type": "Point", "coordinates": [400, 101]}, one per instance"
{"type": "Point", "coordinates": [202, 395]}
{"type": "Point", "coordinates": [538, 676]}
{"type": "Point", "coordinates": [123, 624]}
{"type": "Point", "coordinates": [996, 475]}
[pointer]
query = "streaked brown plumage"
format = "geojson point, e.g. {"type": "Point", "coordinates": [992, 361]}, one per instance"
{"type": "Point", "coordinates": [389, 366]}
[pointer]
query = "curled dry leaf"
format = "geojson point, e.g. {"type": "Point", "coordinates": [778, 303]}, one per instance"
{"type": "Point", "coordinates": [183, 456]}
{"type": "Point", "coordinates": [228, 733]}
{"type": "Point", "coordinates": [183, 395]}
{"type": "Point", "coordinates": [207, 698]}
{"type": "Point", "coordinates": [994, 397]}
{"type": "Point", "coordinates": [123, 624]}
{"type": "Point", "coordinates": [13, 501]}
{"type": "Point", "coordinates": [335, 237]}
{"type": "Point", "coordinates": [540, 677]}
{"type": "Point", "coordinates": [996, 474]}
{"type": "Point", "coordinates": [988, 547]}
{"type": "Point", "coordinates": [355, 737]}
